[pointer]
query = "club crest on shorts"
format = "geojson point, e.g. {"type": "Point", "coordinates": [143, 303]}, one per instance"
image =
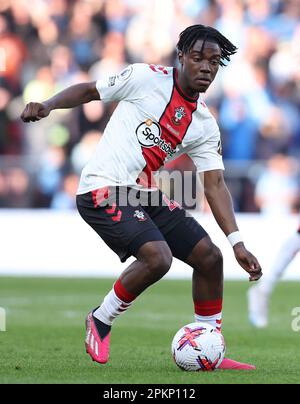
{"type": "Point", "coordinates": [179, 114]}
{"type": "Point", "coordinates": [140, 216]}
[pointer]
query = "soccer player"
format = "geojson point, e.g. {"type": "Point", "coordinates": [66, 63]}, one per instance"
{"type": "Point", "coordinates": [159, 116]}
{"type": "Point", "coordinates": [259, 295]}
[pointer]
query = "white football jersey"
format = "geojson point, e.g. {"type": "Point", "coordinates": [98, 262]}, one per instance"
{"type": "Point", "coordinates": [154, 122]}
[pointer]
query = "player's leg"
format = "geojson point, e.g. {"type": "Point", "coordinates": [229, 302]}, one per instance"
{"type": "Point", "coordinates": [190, 243]}
{"type": "Point", "coordinates": [197, 250]}
{"type": "Point", "coordinates": [259, 295]}
{"type": "Point", "coordinates": [207, 263]}
{"type": "Point", "coordinates": [153, 262]}
{"type": "Point", "coordinates": [127, 231]}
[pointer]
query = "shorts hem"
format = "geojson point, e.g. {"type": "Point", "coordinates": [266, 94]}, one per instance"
{"type": "Point", "coordinates": [141, 239]}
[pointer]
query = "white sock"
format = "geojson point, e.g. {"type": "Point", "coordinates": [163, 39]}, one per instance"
{"type": "Point", "coordinates": [287, 253]}
{"type": "Point", "coordinates": [111, 308]}
{"type": "Point", "coordinates": [215, 320]}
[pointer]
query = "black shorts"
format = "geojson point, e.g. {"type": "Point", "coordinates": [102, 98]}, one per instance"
{"type": "Point", "coordinates": [125, 226]}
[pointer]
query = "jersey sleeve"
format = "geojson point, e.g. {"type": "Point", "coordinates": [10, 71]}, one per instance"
{"type": "Point", "coordinates": [207, 155]}
{"type": "Point", "coordinates": [127, 85]}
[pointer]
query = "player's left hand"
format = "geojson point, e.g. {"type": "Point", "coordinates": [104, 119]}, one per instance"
{"type": "Point", "coordinates": [248, 262]}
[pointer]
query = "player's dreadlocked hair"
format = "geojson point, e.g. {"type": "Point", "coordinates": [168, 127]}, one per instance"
{"type": "Point", "coordinates": [191, 34]}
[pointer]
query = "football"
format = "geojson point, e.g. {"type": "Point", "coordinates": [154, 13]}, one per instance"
{"type": "Point", "coordinates": [198, 347]}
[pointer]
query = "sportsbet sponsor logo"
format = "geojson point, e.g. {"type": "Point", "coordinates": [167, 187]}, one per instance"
{"type": "Point", "coordinates": [149, 135]}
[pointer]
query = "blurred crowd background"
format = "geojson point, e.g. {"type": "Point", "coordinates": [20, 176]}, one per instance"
{"type": "Point", "coordinates": [47, 45]}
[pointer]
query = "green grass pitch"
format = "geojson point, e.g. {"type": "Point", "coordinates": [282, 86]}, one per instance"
{"type": "Point", "coordinates": [44, 341]}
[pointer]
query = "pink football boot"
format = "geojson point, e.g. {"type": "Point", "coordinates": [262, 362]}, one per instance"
{"type": "Point", "coordinates": [97, 348]}
{"type": "Point", "coordinates": [229, 364]}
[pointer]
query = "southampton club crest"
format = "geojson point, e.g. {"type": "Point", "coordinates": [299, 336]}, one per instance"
{"type": "Point", "coordinates": [179, 114]}
{"type": "Point", "coordinates": [139, 215]}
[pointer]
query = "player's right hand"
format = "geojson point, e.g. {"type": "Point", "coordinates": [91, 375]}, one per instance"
{"type": "Point", "coordinates": [248, 261]}
{"type": "Point", "coordinates": [34, 111]}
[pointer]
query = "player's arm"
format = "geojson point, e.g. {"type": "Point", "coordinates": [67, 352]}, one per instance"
{"type": "Point", "coordinates": [220, 202]}
{"type": "Point", "coordinates": [68, 98]}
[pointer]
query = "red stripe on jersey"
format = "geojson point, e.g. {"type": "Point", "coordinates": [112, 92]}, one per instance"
{"type": "Point", "coordinates": [174, 124]}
